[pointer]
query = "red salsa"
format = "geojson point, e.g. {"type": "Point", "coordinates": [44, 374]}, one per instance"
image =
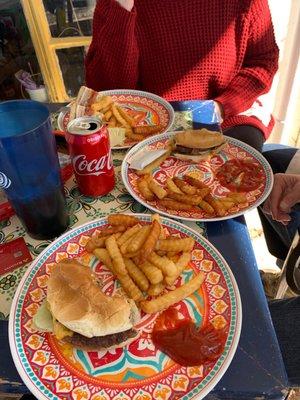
{"type": "Point", "coordinates": [240, 175]}
{"type": "Point", "coordinates": [186, 344]}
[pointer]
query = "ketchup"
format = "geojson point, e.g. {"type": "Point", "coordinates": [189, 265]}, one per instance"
{"type": "Point", "coordinates": [182, 341]}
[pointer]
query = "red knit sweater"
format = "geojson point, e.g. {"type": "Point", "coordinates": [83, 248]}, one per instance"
{"type": "Point", "coordinates": [186, 49]}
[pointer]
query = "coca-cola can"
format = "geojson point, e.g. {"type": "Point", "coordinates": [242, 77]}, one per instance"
{"type": "Point", "coordinates": [90, 152]}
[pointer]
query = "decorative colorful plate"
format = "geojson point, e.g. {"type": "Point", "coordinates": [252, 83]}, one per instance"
{"type": "Point", "coordinates": [146, 108]}
{"type": "Point", "coordinates": [204, 171]}
{"type": "Point", "coordinates": [54, 370]}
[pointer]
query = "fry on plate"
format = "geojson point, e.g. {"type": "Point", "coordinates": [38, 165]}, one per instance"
{"type": "Point", "coordinates": [127, 235]}
{"type": "Point", "coordinates": [174, 205]}
{"type": "Point", "coordinates": [111, 231]}
{"type": "Point", "coordinates": [115, 255]}
{"type": "Point", "coordinates": [104, 257]}
{"type": "Point", "coordinates": [123, 220]}
{"type": "Point", "coordinates": [166, 300]}
{"type": "Point", "coordinates": [144, 189]}
{"type": "Point", "coordinates": [130, 121]}
{"type": "Point", "coordinates": [172, 187]}
{"type": "Point", "coordinates": [184, 186]}
{"type": "Point", "coordinates": [147, 129]}
{"type": "Point", "coordinates": [95, 243]}
{"type": "Point", "coordinates": [150, 242]}
{"type": "Point", "coordinates": [153, 273]}
{"type": "Point", "coordinates": [155, 290]}
{"type": "Point", "coordinates": [130, 287]}
{"type": "Point", "coordinates": [195, 182]}
{"type": "Point", "coordinates": [137, 275]}
{"type": "Point", "coordinates": [183, 198]}
{"type": "Point", "coordinates": [119, 117]}
{"type": "Point", "coordinates": [184, 244]}
{"type": "Point", "coordinates": [206, 207]}
{"type": "Point", "coordinates": [167, 266]}
{"type": "Point", "coordinates": [133, 136]}
{"type": "Point", "coordinates": [138, 239]}
{"type": "Point", "coordinates": [158, 190]}
{"type": "Point", "coordinates": [216, 205]}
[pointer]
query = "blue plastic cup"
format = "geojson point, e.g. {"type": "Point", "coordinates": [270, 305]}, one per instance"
{"type": "Point", "coordinates": [29, 168]}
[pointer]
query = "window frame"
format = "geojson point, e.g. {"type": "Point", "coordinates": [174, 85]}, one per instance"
{"type": "Point", "coordinates": [45, 47]}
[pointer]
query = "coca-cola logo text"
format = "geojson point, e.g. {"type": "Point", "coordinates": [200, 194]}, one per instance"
{"type": "Point", "coordinates": [94, 167]}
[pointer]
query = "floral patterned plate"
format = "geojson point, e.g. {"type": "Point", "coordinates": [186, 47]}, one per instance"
{"type": "Point", "coordinates": [54, 370]}
{"type": "Point", "coordinates": [146, 108]}
{"type": "Point", "coordinates": [205, 171]}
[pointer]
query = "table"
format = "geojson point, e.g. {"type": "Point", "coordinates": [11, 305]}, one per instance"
{"type": "Point", "coordinates": [257, 370]}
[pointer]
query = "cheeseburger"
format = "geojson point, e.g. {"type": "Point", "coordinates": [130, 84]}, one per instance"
{"type": "Point", "coordinates": [78, 312]}
{"type": "Point", "coordinates": [198, 145]}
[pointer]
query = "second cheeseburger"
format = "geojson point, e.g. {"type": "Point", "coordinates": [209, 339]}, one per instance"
{"type": "Point", "coordinates": [83, 315]}
{"type": "Point", "coordinates": [198, 145]}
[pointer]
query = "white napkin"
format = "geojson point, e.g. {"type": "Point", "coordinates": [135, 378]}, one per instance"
{"type": "Point", "coordinates": [144, 158]}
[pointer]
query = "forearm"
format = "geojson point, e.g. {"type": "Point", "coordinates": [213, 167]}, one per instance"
{"type": "Point", "coordinates": [112, 59]}
{"type": "Point", "coordinates": [245, 88]}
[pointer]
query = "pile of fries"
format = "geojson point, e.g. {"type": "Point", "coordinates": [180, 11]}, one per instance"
{"type": "Point", "coordinates": [186, 193]}
{"type": "Point", "coordinates": [89, 102]}
{"type": "Point", "coordinates": [116, 116]}
{"type": "Point", "coordinates": [145, 261]}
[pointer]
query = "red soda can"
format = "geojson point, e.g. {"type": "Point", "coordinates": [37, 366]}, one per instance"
{"type": "Point", "coordinates": [90, 152]}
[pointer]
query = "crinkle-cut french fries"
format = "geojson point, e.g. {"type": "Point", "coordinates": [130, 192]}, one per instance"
{"type": "Point", "coordinates": [112, 123]}
{"type": "Point", "coordinates": [104, 257]}
{"type": "Point", "coordinates": [195, 182]}
{"type": "Point", "coordinates": [156, 163]}
{"type": "Point", "coordinates": [172, 187]}
{"type": "Point", "coordinates": [216, 204]}
{"type": "Point", "coordinates": [166, 300]}
{"type": "Point", "coordinates": [237, 197]}
{"type": "Point", "coordinates": [130, 288]}
{"type": "Point", "coordinates": [185, 244]}
{"type": "Point", "coordinates": [227, 204]}
{"type": "Point", "coordinates": [127, 235]}
{"type": "Point", "coordinates": [137, 275]}
{"type": "Point", "coordinates": [133, 136]}
{"type": "Point", "coordinates": [183, 198]}
{"type": "Point", "coordinates": [158, 190]}
{"type": "Point", "coordinates": [137, 257]}
{"type": "Point", "coordinates": [153, 273]}
{"type": "Point", "coordinates": [123, 220]}
{"type": "Point", "coordinates": [184, 186]}
{"type": "Point", "coordinates": [147, 130]}
{"type": "Point", "coordinates": [181, 264]}
{"type": "Point", "coordinates": [111, 231]}
{"type": "Point", "coordinates": [130, 121]}
{"type": "Point", "coordinates": [138, 239]}
{"type": "Point", "coordinates": [95, 243]}
{"type": "Point", "coordinates": [144, 189]}
{"type": "Point", "coordinates": [119, 117]}
{"type": "Point", "coordinates": [206, 207]}
{"type": "Point", "coordinates": [174, 205]}
{"type": "Point", "coordinates": [150, 242]}
{"type": "Point", "coordinates": [115, 255]}
{"type": "Point", "coordinates": [167, 266]}
{"type": "Point", "coordinates": [155, 290]}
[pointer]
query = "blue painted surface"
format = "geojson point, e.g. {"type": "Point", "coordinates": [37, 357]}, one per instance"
{"type": "Point", "coordinates": [257, 370]}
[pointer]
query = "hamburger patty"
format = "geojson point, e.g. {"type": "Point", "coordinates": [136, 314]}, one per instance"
{"type": "Point", "coordinates": [100, 342]}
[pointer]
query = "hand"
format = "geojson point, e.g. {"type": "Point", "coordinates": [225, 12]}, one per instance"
{"type": "Point", "coordinates": [127, 4]}
{"type": "Point", "coordinates": [284, 195]}
{"type": "Point", "coordinates": [219, 111]}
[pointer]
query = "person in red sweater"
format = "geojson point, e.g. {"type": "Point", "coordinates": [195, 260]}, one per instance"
{"type": "Point", "coordinates": [223, 50]}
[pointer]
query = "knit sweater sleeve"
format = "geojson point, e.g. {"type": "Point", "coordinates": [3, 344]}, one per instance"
{"type": "Point", "coordinates": [259, 66]}
{"type": "Point", "coordinates": [112, 59]}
